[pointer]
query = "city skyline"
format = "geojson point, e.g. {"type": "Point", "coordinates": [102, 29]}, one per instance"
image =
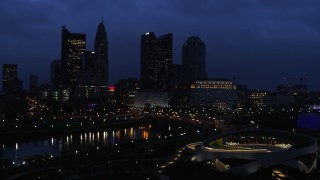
{"type": "Point", "coordinates": [257, 42]}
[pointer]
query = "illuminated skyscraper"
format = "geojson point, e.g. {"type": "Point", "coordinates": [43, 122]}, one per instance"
{"type": "Point", "coordinates": [72, 46]}
{"type": "Point", "coordinates": [156, 60]}
{"type": "Point", "coordinates": [194, 59]}
{"type": "Point", "coordinates": [101, 60]}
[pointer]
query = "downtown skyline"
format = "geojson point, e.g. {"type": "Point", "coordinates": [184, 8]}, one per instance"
{"type": "Point", "coordinates": [257, 42]}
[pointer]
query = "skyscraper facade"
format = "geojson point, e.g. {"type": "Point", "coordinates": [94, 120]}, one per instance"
{"type": "Point", "coordinates": [55, 75]}
{"type": "Point", "coordinates": [194, 59]}
{"type": "Point", "coordinates": [33, 82]}
{"type": "Point", "coordinates": [33, 85]}
{"type": "Point", "coordinates": [87, 60]}
{"type": "Point", "coordinates": [101, 60]}
{"type": "Point", "coordinates": [10, 81]}
{"type": "Point", "coordinates": [9, 74]}
{"type": "Point", "coordinates": [156, 60]}
{"type": "Point", "coordinates": [86, 78]}
{"type": "Point", "coordinates": [72, 46]}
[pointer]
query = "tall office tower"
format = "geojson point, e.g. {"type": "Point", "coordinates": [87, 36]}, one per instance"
{"type": "Point", "coordinates": [72, 46]}
{"type": "Point", "coordinates": [156, 60]}
{"type": "Point", "coordinates": [176, 74]}
{"type": "Point", "coordinates": [87, 60]}
{"type": "Point", "coordinates": [33, 82]}
{"type": "Point", "coordinates": [9, 74]}
{"type": "Point", "coordinates": [194, 59]}
{"type": "Point", "coordinates": [101, 60]}
{"type": "Point", "coordinates": [33, 85]}
{"type": "Point", "coordinates": [55, 75]}
{"type": "Point", "coordinates": [86, 78]}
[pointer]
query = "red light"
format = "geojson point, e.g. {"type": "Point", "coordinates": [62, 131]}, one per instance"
{"type": "Point", "coordinates": [111, 88]}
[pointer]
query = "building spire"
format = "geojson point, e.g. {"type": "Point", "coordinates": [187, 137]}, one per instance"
{"type": "Point", "coordinates": [101, 19]}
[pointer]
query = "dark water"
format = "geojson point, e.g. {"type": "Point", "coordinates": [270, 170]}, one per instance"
{"type": "Point", "coordinates": [72, 143]}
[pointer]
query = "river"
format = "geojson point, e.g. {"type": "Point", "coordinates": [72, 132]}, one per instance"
{"type": "Point", "coordinates": [57, 146]}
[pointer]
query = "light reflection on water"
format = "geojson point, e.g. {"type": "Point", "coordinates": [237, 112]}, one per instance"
{"type": "Point", "coordinates": [61, 145]}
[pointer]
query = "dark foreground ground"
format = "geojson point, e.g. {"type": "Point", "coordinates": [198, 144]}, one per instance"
{"type": "Point", "coordinates": [154, 158]}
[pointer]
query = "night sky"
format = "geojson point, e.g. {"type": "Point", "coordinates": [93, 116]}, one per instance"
{"type": "Point", "coordinates": [257, 41]}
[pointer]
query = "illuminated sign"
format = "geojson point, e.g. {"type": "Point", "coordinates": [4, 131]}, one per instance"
{"type": "Point", "coordinates": [111, 88]}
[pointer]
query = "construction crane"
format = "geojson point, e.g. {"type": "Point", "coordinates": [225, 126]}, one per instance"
{"type": "Point", "coordinates": [302, 79]}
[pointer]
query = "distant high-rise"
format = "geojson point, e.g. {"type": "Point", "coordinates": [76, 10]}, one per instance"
{"type": "Point", "coordinates": [33, 85]}
{"type": "Point", "coordinates": [156, 60]}
{"type": "Point", "coordinates": [194, 59]}
{"type": "Point", "coordinates": [101, 60]}
{"type": "Point", "coordinates": [72, 46]}
{"type": "Point", "coordinates": [33, 82]}
{"type": "Point", "coordinates": [9, 73]}
{"type": "Point", "coordinates": [55, 74]}
{"type": "Point", "coordinates": [10, 81]}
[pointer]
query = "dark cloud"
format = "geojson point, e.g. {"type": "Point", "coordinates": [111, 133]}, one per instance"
{"type": "Point", "coordinates": [256, 41]}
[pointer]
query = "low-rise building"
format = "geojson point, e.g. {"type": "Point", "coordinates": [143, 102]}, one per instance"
{"type": "Point", "coordinates": [151, 98]}
{"type": "Point", "coordinates": [126, 90]}
{"type": "Point", "coordinates": [255, 97]}
{"type": "Point", "coordinates": [214, 92]}
{"type": "Point", "coordinates": [278, 100]}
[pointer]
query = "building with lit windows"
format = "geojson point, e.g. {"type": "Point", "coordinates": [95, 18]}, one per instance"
{"type": "Point", "coordinates": [220, 93]}
{"type": "Point", "coordinates": [194, 59]}
{"type": "Point", "coordinates": [72, 47]}
{"type": "Point", "coordinates": [10, 82]}
{"type": "Point", "coordinates": [298, 91]}
{"type": "Point", "coordinates": [255, 97]}
{"type": "Point", "coordinates": [292, 89]}
{"type": "Point", "coordinates": [151, 99]}
{"type": "Point", "coordinates": [9, 73]}
{"type": "Point", "coordinates": [59, 95]}
{"type": "Point", "coordinates": [86, 77]}
{"type": "Point", "coordinates": [126, 90]}
{"type": "Point", "coordinates": [156, 61]}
